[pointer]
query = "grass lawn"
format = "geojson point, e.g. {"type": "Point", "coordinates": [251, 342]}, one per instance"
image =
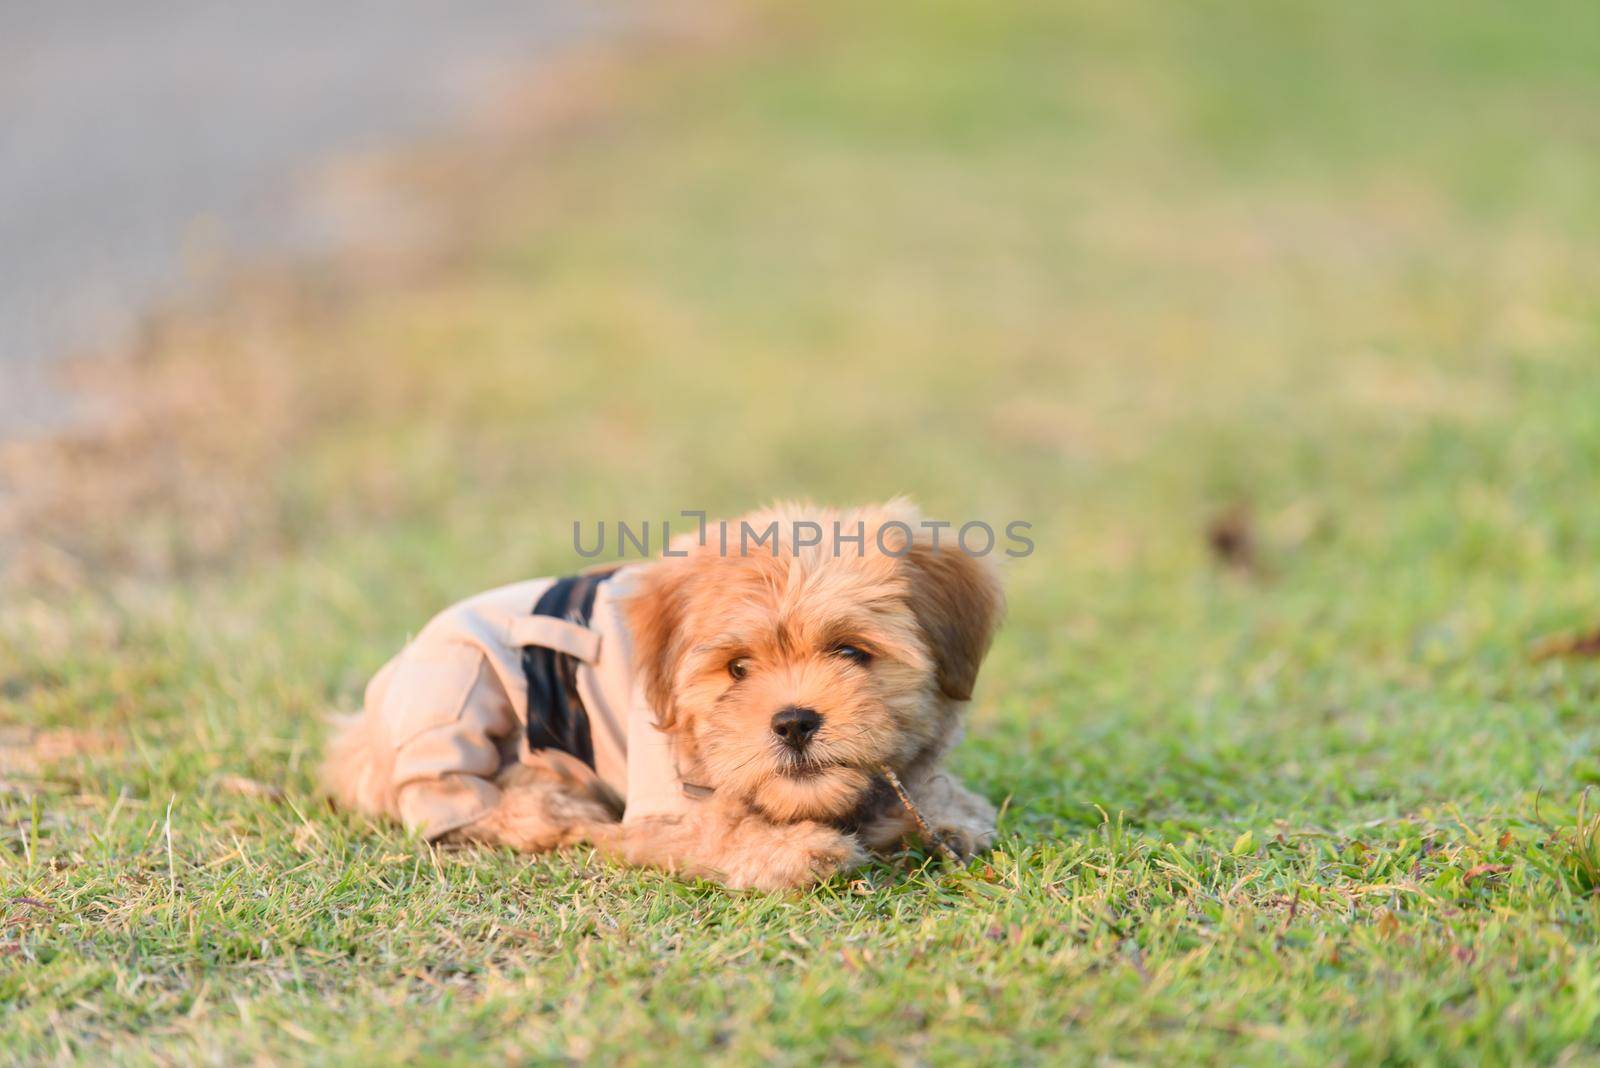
{"type": "Point", "coordinates": [1117, 269]}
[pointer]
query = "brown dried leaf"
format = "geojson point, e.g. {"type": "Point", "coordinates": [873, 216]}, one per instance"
{"type": "Point", "coordinates": [1586, 644]}
{"type": "Point", "coordinates": [1484, 871]}
{"type": "Point", "coordinates": [1231, 537]}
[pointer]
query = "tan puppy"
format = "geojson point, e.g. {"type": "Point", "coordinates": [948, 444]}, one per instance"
{"type": "Point", "coordinates": [782, 677]}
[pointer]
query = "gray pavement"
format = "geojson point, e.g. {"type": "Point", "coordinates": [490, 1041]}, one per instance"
{"type": "Point", "coordinates": [131, 132]}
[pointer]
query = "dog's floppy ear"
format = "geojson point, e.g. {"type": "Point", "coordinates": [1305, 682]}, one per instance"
{"type": "Point", "coordinates": [958, 603]}
{"type": "Point", "coordinates": [655, 612]}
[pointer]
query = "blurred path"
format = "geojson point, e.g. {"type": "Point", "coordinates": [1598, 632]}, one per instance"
{"type": "Point", "coordinates": [127, 131]}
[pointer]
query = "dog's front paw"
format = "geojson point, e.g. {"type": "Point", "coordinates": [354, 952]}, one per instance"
{"type": "Point", "coordinates": [829, 854]}
{"type": "Point", "coordinates": [788, 856]}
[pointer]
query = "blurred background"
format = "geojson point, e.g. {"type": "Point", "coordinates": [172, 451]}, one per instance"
{"type": "Point", "coordinates": [1059, 257]}
{"type": "Point", "coordinates": [1278, 320]}
{"type": "Point", "coordinates": [145, 148]}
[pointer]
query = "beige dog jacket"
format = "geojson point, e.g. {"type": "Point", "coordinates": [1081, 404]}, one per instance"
{"type": "Point", "coordinates": [454, 705]}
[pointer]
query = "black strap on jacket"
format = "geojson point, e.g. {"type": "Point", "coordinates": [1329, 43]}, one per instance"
{"type": "Point", "coordinates": [556, 716]}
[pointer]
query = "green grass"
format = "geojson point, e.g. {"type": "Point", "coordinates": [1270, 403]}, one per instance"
{"type": "Point", "coordinates": [1110, 268]}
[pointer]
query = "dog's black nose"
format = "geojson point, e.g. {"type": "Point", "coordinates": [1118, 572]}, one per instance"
{"type": "Point", "coordinates": [796, 726]}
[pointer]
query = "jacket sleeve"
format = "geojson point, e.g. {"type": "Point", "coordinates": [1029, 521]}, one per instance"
{"type": "Point", "coordinates": [655, 787]}
{"type": "Point", "coordinates": [446, 713]}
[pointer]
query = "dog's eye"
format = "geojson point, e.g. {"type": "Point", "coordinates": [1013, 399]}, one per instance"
{"type": "Point", "coordinates": [852, 653]}
{"type": "Point", "coordinates": [739, 667]}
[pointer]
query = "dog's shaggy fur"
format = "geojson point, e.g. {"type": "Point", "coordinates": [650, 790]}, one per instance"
{"type": "Point", "coordinates": [882, 646]}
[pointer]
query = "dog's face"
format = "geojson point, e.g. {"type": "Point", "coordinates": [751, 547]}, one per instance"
{"type": "Point", "coordinates": [790, 679]}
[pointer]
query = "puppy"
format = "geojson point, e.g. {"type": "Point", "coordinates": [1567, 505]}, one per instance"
{"type": "Point", "coordinates": [724, 711]}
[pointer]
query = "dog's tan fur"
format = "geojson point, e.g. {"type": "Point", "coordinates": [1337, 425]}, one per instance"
{"type": "Point", "coordinates": [775, 820]}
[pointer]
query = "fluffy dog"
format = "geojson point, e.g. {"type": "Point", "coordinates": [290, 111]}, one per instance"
{"type": "Point", "coordinates": [774, 682]}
